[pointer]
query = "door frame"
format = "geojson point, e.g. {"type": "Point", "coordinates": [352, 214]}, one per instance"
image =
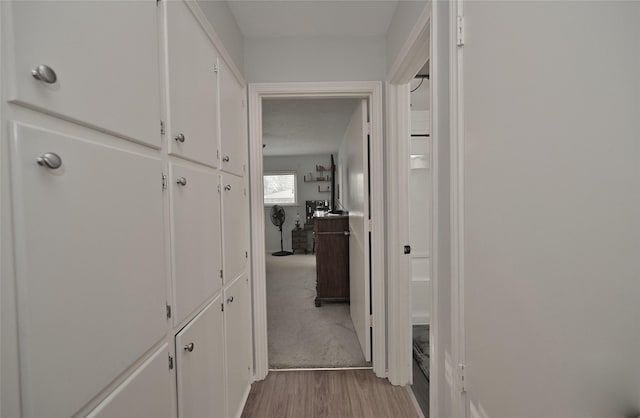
{"type": "Point", "coordinates": [371, 90]}
{"type": "Point", "coordinates": [411, 58]}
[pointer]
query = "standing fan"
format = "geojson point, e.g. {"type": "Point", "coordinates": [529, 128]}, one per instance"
{"type": "Point", "coordinates": [277, 218]}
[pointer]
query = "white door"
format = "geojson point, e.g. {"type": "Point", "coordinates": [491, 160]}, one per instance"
{"type": "Point", "coordinates": [193, 87]}
{"type": "Point", "coordinates": [237, 331]}
{"type": "Point", "coordinates": [89, 248]}
{"type": "Point", "coordinates": [551, 227]}
{"type": "Point", "coordinates": [233, 123]}
{"type": "Point", "coordinates": [145, 394]}
{"type": "Point", "coordinates": [235, 226]}
{"type": "Point", "coordinates": [107, 77]}
{"type": "Point", "coordinates": [196, 239]}
{"type": "Point", "coordinates": [358, 204]}
{"type": "Point", "coordinates": [200, 365]}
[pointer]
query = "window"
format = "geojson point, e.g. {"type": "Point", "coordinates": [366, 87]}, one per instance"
{"type": "Point", "coordinates": [280, 188]}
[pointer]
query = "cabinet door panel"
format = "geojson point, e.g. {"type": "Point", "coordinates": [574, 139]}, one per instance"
{"type": "Point", "coordinates": [235, 226]}
{"type": "Point", "coordinates": [90, 270]}
{"type": "Point", "coordinates": [145, 394]}
{"type": "Point", "coordinates": [238, 342]}
{"type": "Point", "coordinates": [200, 366]}
{"type": "Point", "coordinates": [193, 87]}
{"type": "Point", "coordinates": [195, 224]}
{"type": "Point", "coordinates": [105, 56]}
{"type": "Point", "coordinates": [233, 122]}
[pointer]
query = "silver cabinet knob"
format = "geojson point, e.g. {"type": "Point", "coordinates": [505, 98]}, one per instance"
{"type": "Point", "coordinates": [44, 73]}
{"type": "Point", "coordinates": [50, 160]}
{"type": "Point", "coordinates": [182, 181]}
{"type": "Point", "coordinates": [179, 138]}
{"type": "Point", "coordinates": [189, 347]}
{"type": "Point", "coordinates": [226, 159]}
{"type": "Point", "coordinates": [227, 187]}
{"type": "Point", "coordinates": [230, 299]}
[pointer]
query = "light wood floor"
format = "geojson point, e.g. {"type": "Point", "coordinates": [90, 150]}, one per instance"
{"type": "Point", "coordinates": [327, 394]}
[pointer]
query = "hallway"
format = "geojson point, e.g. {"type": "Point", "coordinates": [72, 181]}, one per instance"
{"type": "Point", "coordinates": [320, 394]}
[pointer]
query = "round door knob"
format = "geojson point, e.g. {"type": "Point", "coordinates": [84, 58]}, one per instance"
{"type": "Point", "coordinates": [50, 160]}
{"type": "Point", "coordinates": [227, 187]}
{"type": "Point", "coordinates": [182, 181]}
{"type": "Point", "coordinates": [189, 347]}
{"type": "Point", "coordinates": [179, 138]}
{"type": "Point", "coordinates": [229, 300]}
{"type": "Point", "coordinates": [44, 73]}
{"type": "Point", "coordinates": [226, 159]}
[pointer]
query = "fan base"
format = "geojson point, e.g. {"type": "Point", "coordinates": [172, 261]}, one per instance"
{"type": "Point", "coordinates": [281, 253]}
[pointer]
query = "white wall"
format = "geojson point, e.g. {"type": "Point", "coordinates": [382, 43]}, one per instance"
{"type": "Point", "coordinates": [403, 21]}
{"type": "Point", "coordinates": [301, 164]}
{"type": "Point", "coordinates": [219, 15]}
{"type": "Point", "coordinates": [314, 59]}
{"type": "Point", "coordinates": [552, 206]}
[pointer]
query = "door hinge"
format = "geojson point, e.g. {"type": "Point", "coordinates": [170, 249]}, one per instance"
{"type": "Point", "coordinates": [221, 273]}
{"type": "Point", "coordinates": [170, 362]}
{"type": "Point", "coordinates": [218, 154]}
{"type": "Point", "coordinates": [168, 311]}
{"type": "Point", "coordinates": [460, 31]}
{"type": "Point", "coordinates": [216, 68]}
{"type": "Point", "coordinates": [370, 224]}
{"type": "Point", "coordinates": [246, 254]}
{"type": "Point", "coordinates": [222, 307]}
{"type": "Point", "coordinates": [370, 321]}
{"type": "Point", "coordinates": [218, 188]}
{"type": "Point", "coordinates": [162, 129]}
{"type": "Point", "coordinates": [461, 377]}
{"type": "Point", "coordinates": [368, 128]}
{"type": "Point", "coordinates": [164, 181]}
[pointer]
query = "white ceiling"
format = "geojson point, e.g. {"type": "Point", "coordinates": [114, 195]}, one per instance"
{"type": "Point", "coordinates": [305, 127]}
{"type": "Point", "coordinates": [269, 18]}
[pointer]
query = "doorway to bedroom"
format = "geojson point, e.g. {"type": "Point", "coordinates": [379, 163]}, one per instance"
{"type": "Point", "coordinates": [314, 159]}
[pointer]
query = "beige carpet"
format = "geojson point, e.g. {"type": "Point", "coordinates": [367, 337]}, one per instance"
{"type": "Point", "coordinates": [301, 335]}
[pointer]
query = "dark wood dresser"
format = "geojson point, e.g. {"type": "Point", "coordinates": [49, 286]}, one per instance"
{"type": "Point", "coordinates": [332, 259]}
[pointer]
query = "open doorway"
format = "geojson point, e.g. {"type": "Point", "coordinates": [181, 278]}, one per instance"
{"type": "Point", "coordinates": [313, 160]}
{"type": "Point", "coordinates": [420, 232]}
{"type": "Point", "coordinates": [365, 231]}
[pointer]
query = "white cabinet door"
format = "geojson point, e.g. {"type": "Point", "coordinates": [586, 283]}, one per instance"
{"type": "Point", "coordinates": [237, 311]}
{"type": "Point", "coordinates": [235, 226]}
{"type": "Point", "coordinates": [200, 365]}
{"type": "Point", "coordinates": [104, 55]}
{"type": "Point", "coordinates": [193, 87]}
{"type": "Point", "coordinates": [90, 266]}
{"type": "Point", "coordinates": [196, 238]}
{"type": "Point", "coordinates": [145, 394]}
{"type": "Point", "coordinates": [233, 122]}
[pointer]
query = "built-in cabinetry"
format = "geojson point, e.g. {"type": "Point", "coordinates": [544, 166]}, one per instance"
{"type": "Point", "coordinates": [126, 243]}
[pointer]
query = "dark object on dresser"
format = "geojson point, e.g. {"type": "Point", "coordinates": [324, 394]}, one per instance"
{"type": "Point", "coordinates": [299, 239]}
{"type": "Point", "coordinates": [332, 259]}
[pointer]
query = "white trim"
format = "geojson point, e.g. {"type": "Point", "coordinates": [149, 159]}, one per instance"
{"type": "Point", "coordinates": [457, 207]}
{"type": "Point", "coordinates": [213, 36]}
{"type": "Point", "coordinates": [359, 89]}
{"type": "Point", "coordinates": [398, 264]}
{"type": "Point", "coordinates": [413, 54]}
{"type": "Point", "coordinates": [412, 57]}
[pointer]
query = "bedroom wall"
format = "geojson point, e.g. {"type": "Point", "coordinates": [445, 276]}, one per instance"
{"type": "Point", "coordinates": [301, 164]}
{"type": "Point", "coordinates": [286, 59]}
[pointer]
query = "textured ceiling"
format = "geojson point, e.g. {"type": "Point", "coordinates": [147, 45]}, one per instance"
{"type": "Point", "coordinates": [305, 127]}
{"type": "Point", "coordinates": [268, 18]}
